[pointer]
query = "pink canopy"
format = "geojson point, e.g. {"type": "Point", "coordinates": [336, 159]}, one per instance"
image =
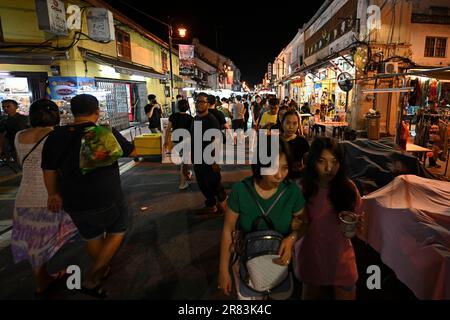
{"type": "Point", "coordinates": [408, 223]}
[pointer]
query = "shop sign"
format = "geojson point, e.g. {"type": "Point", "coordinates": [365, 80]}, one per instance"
{"type": "Point", "coordinates": [269, 72]}
{"type": "Point", "coordinates": [345, 81]}
{"type": "Point", "coordinates": [65, 88]}
{"type": "Point", "coordinates": [100, 24]}
{"type": "Point", "coordinates": [187, 59]}
{"type": "Point", "coordinates": [373, 18]}
{"type": "Point", "coordinates": [230, 77]}
{"type": "Point", "coordinates": [51, 16]}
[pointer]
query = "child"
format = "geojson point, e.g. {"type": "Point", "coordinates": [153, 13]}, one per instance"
{"type": "Point", "coordinates": [298, 145]}
{"type": "Point", "coordinates": [326, 257]}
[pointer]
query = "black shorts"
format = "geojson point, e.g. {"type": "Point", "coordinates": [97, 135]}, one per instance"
{"type": "Point", "coordinates": [92, 224]}
{"type": "Point", "coordinates": [237, 124]}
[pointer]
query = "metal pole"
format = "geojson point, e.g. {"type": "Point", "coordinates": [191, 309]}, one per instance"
{"type": "Point", "coordinates": [171, 68]}
{"type": "Point", "coordinates": [346, 102]}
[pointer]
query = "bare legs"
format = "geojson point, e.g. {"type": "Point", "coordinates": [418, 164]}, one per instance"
{"type": "Point", "coordinates": [101, 252]}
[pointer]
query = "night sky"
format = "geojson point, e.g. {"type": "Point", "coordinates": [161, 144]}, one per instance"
{"type": "Point", "coordinates": [251, 36]}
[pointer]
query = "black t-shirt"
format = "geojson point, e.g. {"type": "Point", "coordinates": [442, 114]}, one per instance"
{"type": "Point", "coordinates": [219, 116]}
{"type": "Point", "coordinates": [208, 122]}
{"type": "Point", "coordinates": [155, 120]}
{"type": "Point", "coordinates": [299, 147]}
{"type": "Point", "coordinates": [181, 121]}
{"type": "Point", "coordinates": [97, 189]}
{"type": "Point", "coordinates": [12, 125]}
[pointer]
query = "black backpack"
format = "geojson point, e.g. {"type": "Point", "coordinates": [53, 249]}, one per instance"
{"type": "Point", "coordinates": [256, 245]}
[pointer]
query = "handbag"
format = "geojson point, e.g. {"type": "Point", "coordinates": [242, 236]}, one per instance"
{"type": "Point", "coordinates": [35, 146]}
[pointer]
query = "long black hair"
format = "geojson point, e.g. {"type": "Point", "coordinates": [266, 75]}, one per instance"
{"type": "Point", "coordinates": [342, 193]}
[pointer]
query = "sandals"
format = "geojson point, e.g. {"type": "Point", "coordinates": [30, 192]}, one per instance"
{"type": "Point", "coordinates": [58, 279]}
{"type": "Point", "coordinates": [96, 292]}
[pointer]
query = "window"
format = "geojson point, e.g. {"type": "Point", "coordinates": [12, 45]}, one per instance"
{"type": "Point", "coordinates": [435, 47]}
{"type": "Point", "coordinates": [123, 44]}
{"type": "Point", "coordinates": [164, 67]}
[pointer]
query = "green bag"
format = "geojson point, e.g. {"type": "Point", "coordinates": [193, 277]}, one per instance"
{"type": "Point", "coordinates": [99, 148]}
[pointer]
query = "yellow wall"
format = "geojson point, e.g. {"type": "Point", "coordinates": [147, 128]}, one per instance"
{"type": "Point", "coordinates": [19, 24]}
{"type": "Point", "coordinates": [24, 68]}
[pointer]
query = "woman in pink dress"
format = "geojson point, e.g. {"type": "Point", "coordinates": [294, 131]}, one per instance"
{"type": "Point", "coordinates": [325, 257]}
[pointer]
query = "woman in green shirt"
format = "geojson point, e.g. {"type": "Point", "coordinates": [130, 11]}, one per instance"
{"type": "Point", "coordinates": [287, 215]}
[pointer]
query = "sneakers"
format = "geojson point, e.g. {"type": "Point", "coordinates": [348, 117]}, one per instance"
{"type": "Point", "coordinates": [184, 186]}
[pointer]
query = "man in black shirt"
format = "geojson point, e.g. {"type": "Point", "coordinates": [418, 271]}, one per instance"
{"type": "Point", "coordinates": [208, 176]}
{"type": "Point", "coordinates": [180, 120]}
{"type": "Point", "coordinates": [13, 123]}
{"type": "Point", "coordinates": [218, 115]}
{"type": "Point", "coordinates": [153, 112]}
{"type": "Point", "coordinates": [95, 200]}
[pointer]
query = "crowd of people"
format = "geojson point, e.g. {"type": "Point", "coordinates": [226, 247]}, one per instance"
{"type": "Point", "coordinates": [303, 197]}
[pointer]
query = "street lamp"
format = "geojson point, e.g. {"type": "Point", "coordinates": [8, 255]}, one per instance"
{"type": "Point", "coordinates": [181, 34]}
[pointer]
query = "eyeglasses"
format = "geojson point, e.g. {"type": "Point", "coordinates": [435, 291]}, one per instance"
{"type": "Point", "coordinates": [200, 102]}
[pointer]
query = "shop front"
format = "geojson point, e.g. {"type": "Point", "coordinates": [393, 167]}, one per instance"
{"type": "Point", "coordinates": [122, 87]}
{"type": "Point", "coordinates": [23, 87]}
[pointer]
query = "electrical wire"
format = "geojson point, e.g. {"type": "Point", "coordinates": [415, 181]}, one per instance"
{"type": "Point", "coordinates": [76, 39]}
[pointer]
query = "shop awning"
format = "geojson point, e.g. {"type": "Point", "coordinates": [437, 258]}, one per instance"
{"type": "Point", "coordinates": [29, 58]}
{"type": "Point", "coordinates": [436, 73]}
{"type": "Point", "coordinates": [123, 67]}
{"type": "Point", "coordinates": [388, 90]}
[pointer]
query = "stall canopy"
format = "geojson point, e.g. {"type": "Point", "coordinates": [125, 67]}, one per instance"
{"type": "Point", "coordinates": [123, 66]}
{"type": "Point", "coordinates": [408, 223]}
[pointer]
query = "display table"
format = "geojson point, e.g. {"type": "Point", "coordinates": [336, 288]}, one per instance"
{"type": "Point", "coordinates": [414, 148]}
{"type": "Point", "coordinates": [408, 223]}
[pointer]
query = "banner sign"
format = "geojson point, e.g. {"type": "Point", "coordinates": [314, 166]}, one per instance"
{"type": "Point", "coordinates": [230, 77]}
{"type": "Point", "coordinates": [187, 59]}
{"type": "Point", "coordinates": [65, 88]}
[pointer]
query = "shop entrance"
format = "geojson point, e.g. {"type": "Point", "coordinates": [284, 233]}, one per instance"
{"type": "Point", "coordinates": [23, 87]}
{"type": "Point", "coordinates": [124, 101]}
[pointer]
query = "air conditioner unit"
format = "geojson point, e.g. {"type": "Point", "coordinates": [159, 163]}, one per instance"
{"type": "Point", "coordinates": [389, 67]}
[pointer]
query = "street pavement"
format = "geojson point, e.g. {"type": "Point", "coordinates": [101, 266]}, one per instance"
{"type": "Point", "coordinates": [169, 253]}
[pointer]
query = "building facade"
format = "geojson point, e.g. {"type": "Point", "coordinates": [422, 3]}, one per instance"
{"type": "Point", "coordinates": [36, 62]}
{"type": "Point", "coordinates": [375, 45]}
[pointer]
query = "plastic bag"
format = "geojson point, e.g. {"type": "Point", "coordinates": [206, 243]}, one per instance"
{"type": "Point", "coordinates": [99, 148]}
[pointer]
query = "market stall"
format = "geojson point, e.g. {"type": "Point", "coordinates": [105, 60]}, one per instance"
{"type": "Point", "coordinates": [408, 224]}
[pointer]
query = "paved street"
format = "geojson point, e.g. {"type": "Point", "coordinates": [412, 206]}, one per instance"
{"type": "Point", "coordinates": [169, 252]}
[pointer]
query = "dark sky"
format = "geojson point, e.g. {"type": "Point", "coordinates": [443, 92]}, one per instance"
{"type": "Point", "coordinates": [248, 32]}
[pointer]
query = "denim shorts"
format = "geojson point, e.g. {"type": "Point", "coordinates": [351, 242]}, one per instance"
{"type": "Point", "coordinates": [92, 224]}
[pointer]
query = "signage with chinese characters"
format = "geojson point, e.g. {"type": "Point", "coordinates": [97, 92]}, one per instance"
{"type": "Point", "coordinates": [51, 16]}
{"type": "Point", "coordinates": [100, 24]}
